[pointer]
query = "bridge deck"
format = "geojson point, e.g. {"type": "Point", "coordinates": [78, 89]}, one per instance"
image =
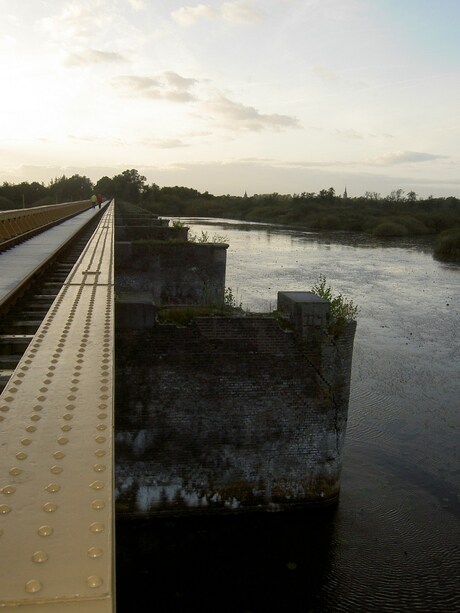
{"type": "Point", "coordinates": [56, 461]}
{"type": "Point", "coordinates": [21, 261]}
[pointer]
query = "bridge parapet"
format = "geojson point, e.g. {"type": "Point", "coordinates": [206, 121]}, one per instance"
{"type": "Point", "coordinates": [17, 222]}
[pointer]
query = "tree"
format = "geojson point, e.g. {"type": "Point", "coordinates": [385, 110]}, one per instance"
{"type": "Point", "coordinates": [396, 196]}
{"type": "Point", "coordinates": [129, 186]}
{"type": "Point", "coordinates": [65, 189]}
{"type": "Point", "coordinates": [372, 195]}
{"type": "Point", "coordinates": [104, 186]}
{"type": "Point", "coordinates": [327, 194]}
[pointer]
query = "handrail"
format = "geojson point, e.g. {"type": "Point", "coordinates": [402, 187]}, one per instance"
{"type": "Point", "coordinates": [17, 222]}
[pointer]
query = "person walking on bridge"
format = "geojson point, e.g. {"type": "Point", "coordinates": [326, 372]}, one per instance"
{"type": "Point", "coordinates": [99, 200]}
{"type": "Point", "coordinates": [93, 200]}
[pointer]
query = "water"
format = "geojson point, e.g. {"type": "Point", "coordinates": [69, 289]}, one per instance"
{"type": "Point", "coordinates": [393, 543]}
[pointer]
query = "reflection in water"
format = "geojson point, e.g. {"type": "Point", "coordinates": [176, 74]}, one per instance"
{"type": "Point", "coordinates": [393, 544]}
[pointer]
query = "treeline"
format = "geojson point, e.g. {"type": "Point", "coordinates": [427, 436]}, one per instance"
{"type": "Point", "coordinates": [398, 214]}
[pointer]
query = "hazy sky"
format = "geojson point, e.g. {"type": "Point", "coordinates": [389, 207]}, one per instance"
{"type": "Point", "coordinates": [244, 95]}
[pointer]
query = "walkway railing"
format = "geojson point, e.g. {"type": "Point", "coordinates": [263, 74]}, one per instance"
{"type": "Point", "coordinates": [17, 222]}
{"type": "Point", "coordinates": [56, 449]}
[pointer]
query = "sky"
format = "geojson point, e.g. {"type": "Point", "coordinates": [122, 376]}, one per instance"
{"type": "Point", "coordinates": [254, 96]}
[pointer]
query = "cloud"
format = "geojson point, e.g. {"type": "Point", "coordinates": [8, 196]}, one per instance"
{"type": "Point", "coordinates": [235, 12]}
{"type": "Point", "coordinates": [94, 56]}
{"type": "Point", "coordinates": [239, 116]}
{"type": "Point", "coordinates": [326, 74]}
{"type": "Point", "coordinates": [189, 15]}
{"type": "Point", "coordinates": [350, 133]}
{"type": "Point", "coordinates": [75, 22]}
{"type": "Point", "coordinates": [165, 143]}
{"type": "Point", "coordinates": [406, 157]}
{"type": "Point", "coordinates": [165, 86]}
{"type": "Point", "coordinates": [240, 12]}
{"type": "Point", "coordinates": [137, 5]}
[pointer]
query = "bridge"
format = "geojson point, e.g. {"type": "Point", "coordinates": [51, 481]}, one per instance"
{"type": "Point", "coordinates": [261, 429]}
{"type": "Point", "coordinates": [56, 407]}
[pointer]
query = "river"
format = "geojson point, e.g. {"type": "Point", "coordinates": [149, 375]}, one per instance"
{"type": "Point", "coordinates": [393, 543]}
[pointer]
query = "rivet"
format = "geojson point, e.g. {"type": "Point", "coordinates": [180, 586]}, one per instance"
{"type": "Point", "coordinates": [102, 416]}
{"type": "Point", "coordinates": [74, 389]}
{"type": "Point", "coordinates": [45, 531]}
{"type": "Point", "coordinates": [1, 418]}
{"type": "Point", "coordinates": [49, 507]}
{"type": "Point", "coordinates": [37, 407]}
{"type": "Point", "coordinates": [71, 397]}
{"type": "Point", "coordinates": [13, 390]}
{"type": "Point", "coordinates": [4, 509]}
{"type": "Point", "coordinates": [14, 472]}
{"type": "Point", "coordinates": [100, 439]}
{"type": "Point", "coordinates": [31, 428]}
{"type": "Point", "coordinates": [100, 453]}
{"type": "Point", "coordinates": [97, 485]}
{"type": "Point", "coordinates": [8, 489]}
{"type": "Point", "coordinates": [97, 526]}
{"type": "Point", "coordinates": [53, 488]}
{"type": "Point", "coordinates": [19, 382]}
{"type": "Point", "coordinates": [39, 557]}
{"type": "Point", "coordinates": [99, 468]}
{"type": "Point", "coordinates": [94, 552]}
{"type": "Point", "coordinates": [70, 407]}
{"type": "Point", "coordinates": [21, 455]}
{"type": "Point", "coordinates": [68, 416]}
{"type": "Point", "coordinates": [101, 427]}
{"type": "Point", "coordinates": [33, 586]}
{"type": "Point", "coordinates": [58, 455]}
{"type": "Point", "coordinates": [26, 441]}
{"type": "Point", "coordinates": [63, 440]}
{"type": "Point", "coordinates": [43, 389]}
{"type": "Point", "coordinates": [98, 504]}
{"type": "Point", "coordinates": [9, 399]}
{"type": "Point", "coordinates": [66, 428]}
{"type": "Point", "coordinates": [4, 408]}
{"type": "Point", "coordinates": [56, 470]}
{"type": "Point", "coordinates": [94, 581]}
{"type": "Point", "coordinates": [41, 398]}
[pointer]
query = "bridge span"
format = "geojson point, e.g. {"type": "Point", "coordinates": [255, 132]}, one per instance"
{"type": "Point", "coordinates": [56, 446]}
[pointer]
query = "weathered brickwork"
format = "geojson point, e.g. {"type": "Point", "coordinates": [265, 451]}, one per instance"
{"type": "Point", "coordinates": [229, 413]}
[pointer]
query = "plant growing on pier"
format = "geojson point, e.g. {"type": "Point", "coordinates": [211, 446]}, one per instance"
{"type": "Point", "coordinates": [230, 301]}
{"type": "Point", "coordinates": [342, 309]}
{"type": "Point", "coordinates": [205, 238]}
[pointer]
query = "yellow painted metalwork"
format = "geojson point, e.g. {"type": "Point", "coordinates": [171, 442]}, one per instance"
{"type": "Point", "coordinates": [56, 450]}
{"type": "Point", "coordinates": [19, 221]}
